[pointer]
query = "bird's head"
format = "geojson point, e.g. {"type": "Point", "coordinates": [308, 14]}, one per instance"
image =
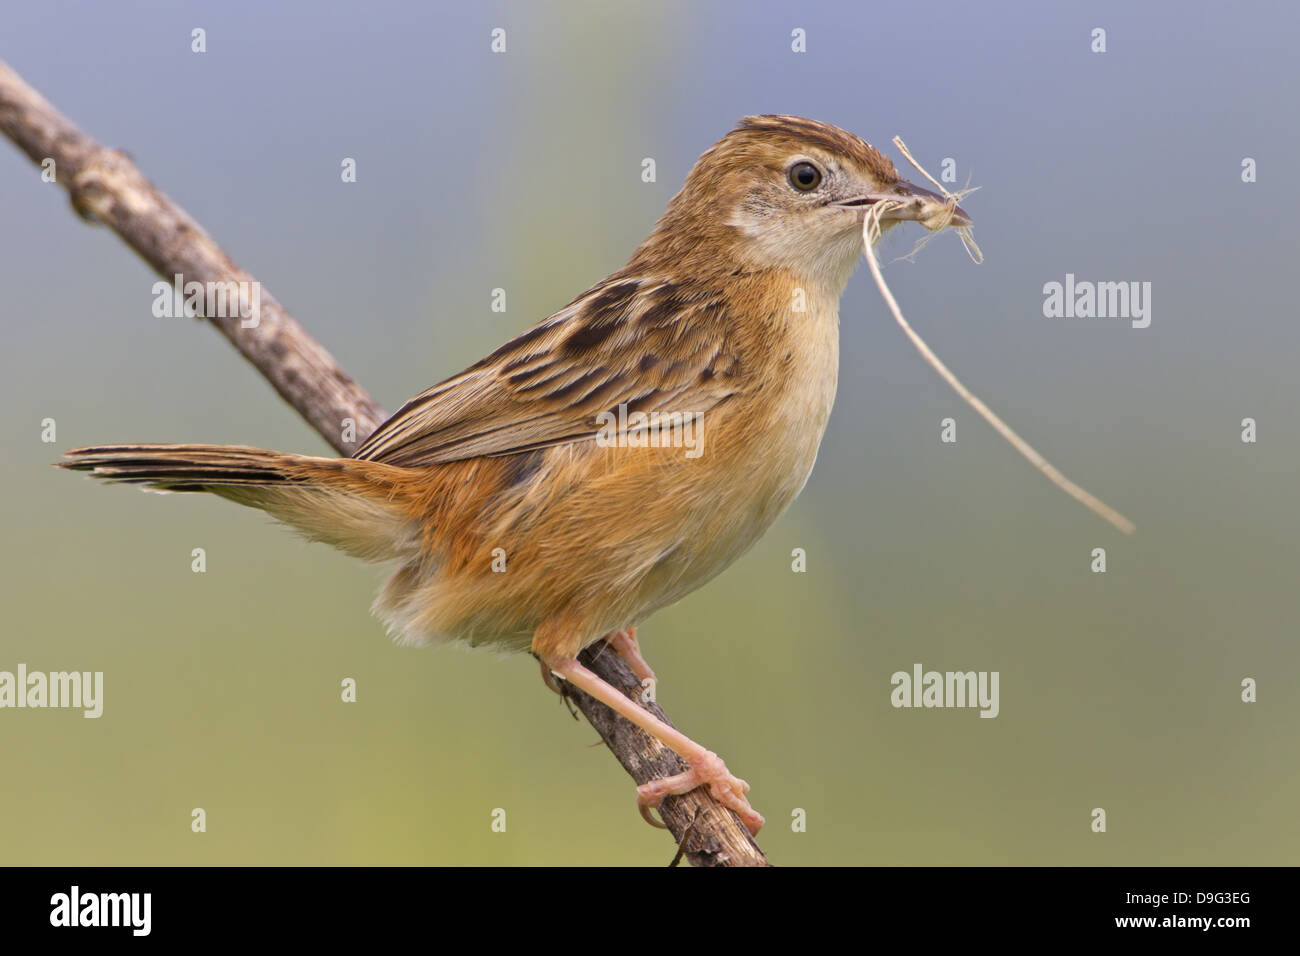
{"type": "Point", "coordinates": [791, 193]}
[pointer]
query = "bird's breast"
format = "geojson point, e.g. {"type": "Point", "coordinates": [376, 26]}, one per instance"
{"type": "Point", "coordinates": [759, 450]}
{"type": "Point", "coordinates": [789, 421]}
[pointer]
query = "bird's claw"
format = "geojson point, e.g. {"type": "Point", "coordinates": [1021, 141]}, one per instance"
{"type": "Point", "coordinates": [728, 789]}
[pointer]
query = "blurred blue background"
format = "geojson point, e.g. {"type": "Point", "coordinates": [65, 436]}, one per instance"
{"type": "Point", "coordinates": [522, 170]}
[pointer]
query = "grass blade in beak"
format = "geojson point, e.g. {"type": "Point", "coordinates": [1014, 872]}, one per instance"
{"type": "Point", "coordinates": [870, 234]}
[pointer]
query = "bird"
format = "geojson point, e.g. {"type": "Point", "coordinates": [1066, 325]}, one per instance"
{"type": "Point", "coordinates": [617, 455]}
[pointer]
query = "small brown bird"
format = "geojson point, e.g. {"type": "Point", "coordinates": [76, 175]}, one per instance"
{"type": "Point", "coordinates": [621, 453]}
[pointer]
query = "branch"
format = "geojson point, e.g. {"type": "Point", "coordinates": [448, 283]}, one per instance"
{"type": "Point", "coordinates": [106, 187]}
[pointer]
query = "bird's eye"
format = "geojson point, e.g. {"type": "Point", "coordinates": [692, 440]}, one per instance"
{"type": "Point", "coordinates": [805, 177]}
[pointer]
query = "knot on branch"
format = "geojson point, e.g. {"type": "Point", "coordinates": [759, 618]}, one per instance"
{"type": "Point", "coordinates": [107, 176]}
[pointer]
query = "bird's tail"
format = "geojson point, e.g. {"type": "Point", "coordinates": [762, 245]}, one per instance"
{"type": "Point", "coordinates": [355, 506]}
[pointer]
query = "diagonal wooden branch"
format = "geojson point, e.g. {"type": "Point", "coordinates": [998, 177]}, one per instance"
{"type": "Point", "coordinates": [106, 187]}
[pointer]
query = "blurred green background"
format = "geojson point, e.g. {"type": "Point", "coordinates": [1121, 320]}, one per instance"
{"type": "Point", "coordinates": [522, 171]}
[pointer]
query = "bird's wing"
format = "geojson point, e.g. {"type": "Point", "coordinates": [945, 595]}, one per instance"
{"type": "Point", "coordinates": [651, 346]}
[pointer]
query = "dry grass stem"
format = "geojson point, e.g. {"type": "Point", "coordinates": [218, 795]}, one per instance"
{"type": "Point", "coordinates": [870, 235]}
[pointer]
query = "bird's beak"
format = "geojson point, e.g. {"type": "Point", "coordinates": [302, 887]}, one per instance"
{"type": "Point", "coordinates": [917, 204]}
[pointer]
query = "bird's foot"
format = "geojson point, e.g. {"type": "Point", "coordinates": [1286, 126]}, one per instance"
{"type": "Point", "coordinates": [625, 645]}
{"type": "Point", "coordinates": [708, 769]}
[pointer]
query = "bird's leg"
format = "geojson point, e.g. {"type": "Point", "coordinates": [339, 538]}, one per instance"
{"type": "Point", "coordinates": [706, 767]}
{"type": "Point", "coordinates": [625, 645]}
